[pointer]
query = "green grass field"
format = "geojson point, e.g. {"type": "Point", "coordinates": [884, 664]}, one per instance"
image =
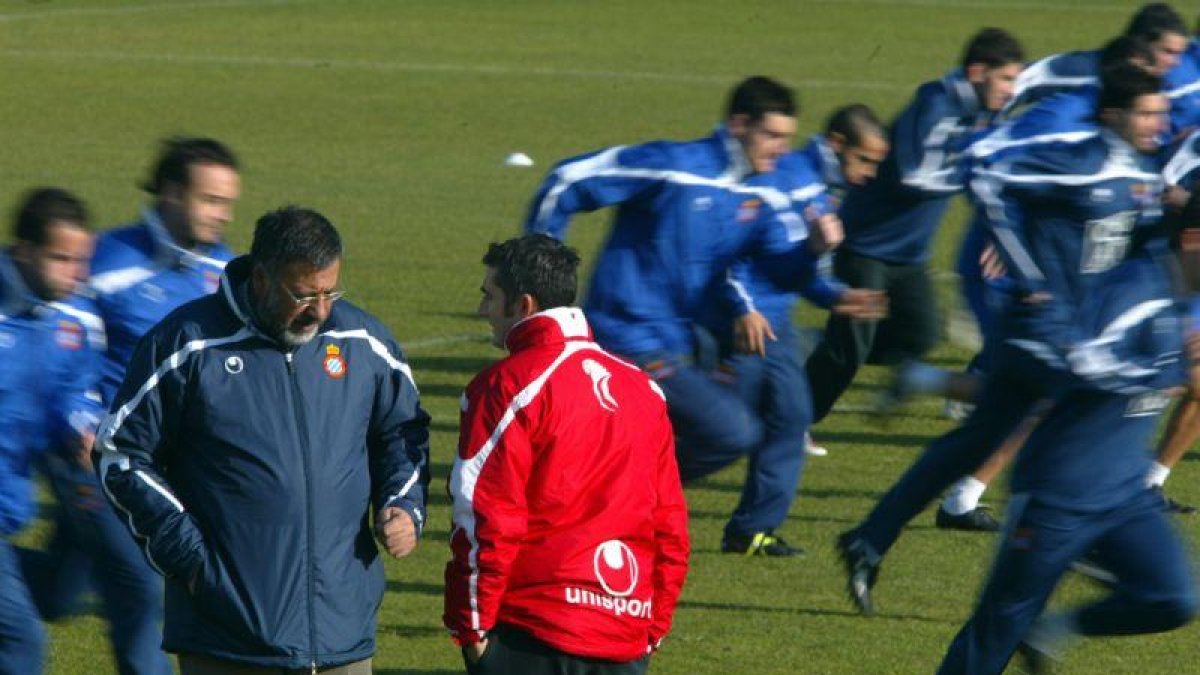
{"type": "Point", "coordinates": [393, 117]}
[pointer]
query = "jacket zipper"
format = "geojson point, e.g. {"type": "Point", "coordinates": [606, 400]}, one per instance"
{"type": "Point", "coordinates": [301, 425]}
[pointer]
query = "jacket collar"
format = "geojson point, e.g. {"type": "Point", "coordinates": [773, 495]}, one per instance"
{"type": "Point", "coordinates": [737, 167]}
{"type": "Point", "coordinates": [956, 85]}
{"type": "Point", "coordinates": [15, 296]}
{"type": "Point", "coordinates": [831, 166]}
{"type": "Point", "coordinates": [165, 250]}
{"type": "Point", "coordinates": [550, 326]}
{"type": "Point", "coordinates": [234, 290]}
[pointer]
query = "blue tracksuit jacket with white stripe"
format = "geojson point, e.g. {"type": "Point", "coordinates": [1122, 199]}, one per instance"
{"type": "Point", "coordinates": [894, 217]}
{"type": "Point", "coordinates": [750, 285]}
{"type": "Point", "coordinates": [138, 276]}
{"type": "Point", "coordinates": [1062, 214]}
{"type": "Point", "coordinates": [1182, 85]}
{"type": "Point", "coordinates": [1091, 452]}
{"type": "Point", "coordinates": [49, 355]}
{"type": "Point", "coordinates": [684, 213]}
{"type": "Point", "coordinates": [250, 471]}
{"type": "Point", "coordinates": [1055, 74]}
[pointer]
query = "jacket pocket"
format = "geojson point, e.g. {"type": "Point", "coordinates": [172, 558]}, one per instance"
{"type": "Point", "coordinates": [219, 604]}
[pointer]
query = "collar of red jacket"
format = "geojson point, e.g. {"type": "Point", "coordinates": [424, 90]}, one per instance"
{"type": "Point", "coordinates": [548, 327]}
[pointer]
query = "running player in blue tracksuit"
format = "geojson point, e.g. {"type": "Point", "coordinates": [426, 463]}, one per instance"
{"type": "Point", "coordinates": [49, 341]}
{"type": "Point", "coordinates": [140, 273]}
{"type": "Point", "coordinates": [891, 221]}
{"type": "Point", "coordinates": [684, 213]}
{"type": "Point", "coordinates": [768, 370]}
{"type": "Point", "coordinates": [1061, 214]}
{"type": "Point", "coordinates": [1079, 483]}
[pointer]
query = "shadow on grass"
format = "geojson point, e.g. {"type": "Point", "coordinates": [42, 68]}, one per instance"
{"type": "Point", "coordinates": [453, 391]}
{"type": "Point", "coordinates": [449, 427]}
{"type": "Point", "coordinates": [416, 671]}
{"type": "Point", "coordinates": [450, 364]}
{"type": "Point", "coordinates": [803, 517]}
{"type": "Point", "coordinates": [414, 588]}
{"type": "Point", "coordinates": [806, 611]}
{"type": "Point", "coordinates": [880, 437]}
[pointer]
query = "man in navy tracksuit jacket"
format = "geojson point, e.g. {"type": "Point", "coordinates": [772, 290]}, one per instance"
{"type": "Point", "coordinates": [48, 348]}
{"type": "Point", "coordinates": [684, 213]}
{"type": "Point", "coordinates": [256, 432]}
{"type": "Point", "coordinates": [890, 223]}
{"type": "Point", "coordinates": [1061, 214]}
{"type": "Point", "coordinates": [1079, 483]}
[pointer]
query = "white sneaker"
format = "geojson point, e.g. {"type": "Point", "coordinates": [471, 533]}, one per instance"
{"type": "Point", "coordinates": [812, 449]}
{"type": "Point", "coordinates": [957, 410]}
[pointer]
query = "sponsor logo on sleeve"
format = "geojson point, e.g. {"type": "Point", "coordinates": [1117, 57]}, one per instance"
{"type": "Point", "coordinates": [69, 335]}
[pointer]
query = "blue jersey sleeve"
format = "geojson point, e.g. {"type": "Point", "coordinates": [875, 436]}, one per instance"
{"type": "Point", "coordinates": [924, 140]}
{"type": "Point", "coordinates": [595, 180]}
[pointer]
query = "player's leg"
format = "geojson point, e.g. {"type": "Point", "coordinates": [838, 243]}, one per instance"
{"type": "Point", "coordinates": [912, 327]}
{"type": "Point", "coordinates": [22, 638]}
{"type": "Point", "coordinates": [847, 343]}
{"type": "Point", "coordinates": [713, 427]}
{"type": "Point", "coordinates": [1038, 545]}
{"type": "Point", "coordinates": [1002, 406]}
{"type": "Point", "coordinates": [60, 575]}
{"type": "Point", "coordinates": [1154, 591]}
{"type": "Point", "coordinates": [1181, 433]}
{"type": "Point", "coordinates": [773, 471]}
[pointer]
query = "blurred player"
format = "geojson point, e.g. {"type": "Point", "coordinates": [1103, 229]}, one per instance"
{"type": "Point", "coordinates": [890, 222]}
{"type": "Point", "coordinates": [48, 350]}
{"type": "Point", "coordinates": [140, 273]}
{"type": "Point", "coordinates": [1078, 485]}
{"type": "Point", "coordinates": [1062, 214]}
{"type": "Point", "coordinates": [684, 213]}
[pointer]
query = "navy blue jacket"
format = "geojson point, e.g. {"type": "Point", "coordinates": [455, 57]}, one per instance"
{"type": "Point", "coordinates": [684, 213]}
{"type": "Point", "coordinates": [1091, 452]}
{"type": "Point", "coordinates": [894, 217]}
{"type": "Point", "coordinates": [252, 471]}
{"type": "Point", "coordinates": [48, 370]}
{"type": "Point", "coordinates": [1062, 214]}
{"type": "Point", "coordinates": [1182, 85]}
{"type": "Point", "coordinates": [1055, 74]}
{"type": "Point", "coordinates": [138, 276]}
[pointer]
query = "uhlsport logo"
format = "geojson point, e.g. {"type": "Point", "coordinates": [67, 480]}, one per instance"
{"type": "Point", "coordinates": [234, 365]}
{"type": "Point", "coordinates": [600, 384]}
{"type": "Point", "coordinates": [616, 570]}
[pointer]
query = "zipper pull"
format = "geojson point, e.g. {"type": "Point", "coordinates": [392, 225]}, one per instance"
{"type": "Point", "coordinates": [314, 663]}
{"type": "Point", "coordinates": [292, 369]}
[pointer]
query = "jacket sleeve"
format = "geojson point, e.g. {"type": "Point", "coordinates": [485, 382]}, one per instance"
{"type": "Point", "coordinates": [672, 545]}
{"type": "Point", "coordinates": [922, 140]}
{"type": "Point", "coordinates": [132, 453]}
{"type": "Point", "coordinates": [595, 180]}
{"type": "Point", "coordinates": [398, 438]}
{"type": "Point", "coordinates": [487, 486]}
{"type": "Point", "coordinates": [78, 410]}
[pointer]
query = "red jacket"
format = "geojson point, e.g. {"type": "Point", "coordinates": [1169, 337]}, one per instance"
{"type": "Point", "coordinates": [569, 519]}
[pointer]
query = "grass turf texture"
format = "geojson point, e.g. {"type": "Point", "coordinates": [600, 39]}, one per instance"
{"type": "Point", "coordinates": [393, 118]}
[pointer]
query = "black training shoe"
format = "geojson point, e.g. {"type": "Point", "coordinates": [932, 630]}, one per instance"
{"type": "Point", "coordinates": [760, 543]}
{"type": "Point", "coordinates": [1172, 506]}
{"type": "Point", "coordinates": [1034, 660]}
{"type": "Point", "coordinates": [976, 520]}
{"type": "Point", "coordinates": [862, 570]}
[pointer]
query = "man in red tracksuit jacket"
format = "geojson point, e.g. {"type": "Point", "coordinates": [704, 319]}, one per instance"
{"type": "Point", "coordinates": [570, 529]}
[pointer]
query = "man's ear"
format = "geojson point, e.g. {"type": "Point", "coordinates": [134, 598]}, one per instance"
{"type": "Point", "coordinates": [527, 305]}
{"type": "Point", "coordinates": [836, 141]}
{"type": "Point", "coordinates": [976, 73]}
{"type": "Point", "coordinates": [738, 125]}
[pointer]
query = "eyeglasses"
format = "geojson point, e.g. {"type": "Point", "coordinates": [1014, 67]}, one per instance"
{"type": "Point", "coordinates": [306, 301]}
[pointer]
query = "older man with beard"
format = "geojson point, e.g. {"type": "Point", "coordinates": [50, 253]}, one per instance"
{"type": "Point", "coordinates": [257, 431]}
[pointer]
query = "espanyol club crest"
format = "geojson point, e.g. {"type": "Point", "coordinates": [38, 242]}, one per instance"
{"type": "Point", "coordinates": [68, 335]}
{"type": "Point", "coordinates": [1142, 193]}
{"type": "Point", "coordinates": [212, 279]}
{"type": "Point", "coordinates": [748, 210]}
{"type": "Point", "coordinates": [334, 364]}
{"type": "Point", "coordinates": [616, 568]}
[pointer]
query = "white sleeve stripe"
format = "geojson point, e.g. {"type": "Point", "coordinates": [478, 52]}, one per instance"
{"type": "Point", "coordinates": [160, 489]}
{"type": "Point", "coordinates": [1008, 240]}
{"type": "Point", "coordinates": [107, 460]}
{"type": "Point", "coordinates": [990, 145]}
{"type": "Point", "coordinates": [118, 280]}
{"type": "Point", "coordinates": [604, 165]}
{"type": "Point", "coordinates": [380, 350]}
{"type": "Point", "coordinates": [465, 473]}
{"type": "Point", "coordinates": [740, 289]}
{"type": "Point", "coordinates": [1106, 174]}
{"type": "Point", "coordinates": [412, 480]}
{"type": "Point", "coordinates": [1183, 162]}
{"type": "Point", "coordinates": [1184, 90]}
